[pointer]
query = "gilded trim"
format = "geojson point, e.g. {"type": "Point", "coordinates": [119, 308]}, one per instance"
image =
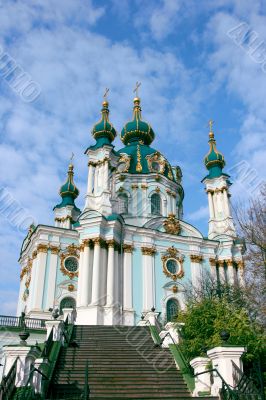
{"type": "Point", "coordinates": [173, 254]}
{"type": "Point", "coordinates": [148, 251]}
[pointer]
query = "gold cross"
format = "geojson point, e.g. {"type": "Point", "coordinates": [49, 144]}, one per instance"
{"type": "Point", "coordinates": [136, 90]}
{"type": "Point", "coordinates": [106, 93]}
{"type": "Point", "coordinates": [72, 156]}
{"type": "Point", "coordinates": [210, 123]}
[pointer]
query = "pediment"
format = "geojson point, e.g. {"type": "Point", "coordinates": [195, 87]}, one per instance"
{"type": "Point", "coordinates": [186, 229]}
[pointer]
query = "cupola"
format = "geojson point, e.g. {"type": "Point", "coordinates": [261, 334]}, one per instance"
{"type": "Point", "coordinates": [214, 160]}
{"type": "Point", "coordinates": [68, 191]}
{"type": "Point", "coordinates": [103, 131]}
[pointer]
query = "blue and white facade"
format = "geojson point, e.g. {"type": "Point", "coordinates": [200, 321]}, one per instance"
{"type": "Point", "coordinates": [129, 250]}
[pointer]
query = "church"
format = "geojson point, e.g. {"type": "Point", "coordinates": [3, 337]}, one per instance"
{"type": "Point", "coordinates": [129, 250]}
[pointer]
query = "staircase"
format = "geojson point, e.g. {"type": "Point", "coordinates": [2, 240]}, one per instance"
{"type": "Point", "coordinates": [123, 363]}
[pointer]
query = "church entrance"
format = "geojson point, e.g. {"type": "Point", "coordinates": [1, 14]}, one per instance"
{"type": "Point", "coordinates": [171, 309]}
{"type": "Point", "coordinates": [67, 302]}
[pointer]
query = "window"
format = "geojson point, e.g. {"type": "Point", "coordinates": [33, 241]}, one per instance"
{"type": "Point", "coordinates": [67, 302]}
{"type": "Point", "coordinates": [122, 204]}
{"type": "Point", "coordinates": [71, 264]}
{"type": "Point", "coordinates": [156, 204]}
{"type": "Point", "coordinates": [172, 266]}
{"type": "Point", "coordinates": [171, 309]}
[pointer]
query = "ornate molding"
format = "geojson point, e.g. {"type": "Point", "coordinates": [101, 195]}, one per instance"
{"type": "Point", "coordinates": [63, 219]}
{"type": "Point", "coordinates": [71, 251]}
{"type": "Point", "coordinates": [196, 258]}
{"type": "Point", "coordinates": [71, 287]}
{"type": "Point", "coordinates": [173, 254]}
{"type": "Point", "coordinates": [124, 158]}
{"type": "Point", "coordinates": [172, 225]}
{"type": "Point", "coordinates": [138, 166]}
{"type": "Point", "coordinates": [42, 248]}
{"type": "Point", "coordinates": [158, 159]}
{"type": "Point", "coordinates": [128, 248]}
{"type": "Point", "coordinates": [134, 186]}
{"type": "Point", "coordinates": [34, 254]}
{"type": "Point", "coordinates": [221, 263]}
{"type": "Point", "coordinates": [144, 186]}
{"type": "Point", "coordinates": [148, 251]}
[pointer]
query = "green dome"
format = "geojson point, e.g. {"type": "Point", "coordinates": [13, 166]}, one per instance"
{"type": "Point", "coordinates": [68, 191]}
{"type": "Point", "coordinates": [103, 131]}
{"type": "Point", "coordinates": [214, 160]}
{"type": "Point", "coordinates": [137, 129]}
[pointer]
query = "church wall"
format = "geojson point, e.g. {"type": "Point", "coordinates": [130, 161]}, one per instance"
{"type": "Point", "coordinates": [137, 282]}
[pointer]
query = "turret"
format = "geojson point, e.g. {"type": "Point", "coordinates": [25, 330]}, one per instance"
{"type": "Point", "coordinates": [217, 185]}
{"type": "Point", "coordinates": [66, 212]}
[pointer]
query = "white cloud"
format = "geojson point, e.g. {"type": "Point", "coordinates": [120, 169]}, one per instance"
{"type": "Point", "coordinates": [200, 214]}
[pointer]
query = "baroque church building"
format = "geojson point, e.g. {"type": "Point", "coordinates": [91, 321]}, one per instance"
{"type": "Point", "coordinates": [129, 250]}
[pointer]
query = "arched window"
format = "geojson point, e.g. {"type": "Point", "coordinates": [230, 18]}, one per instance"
{"type": "Point", "coordinates": [122, 203]}
{"type": "Point", "coordinates": [156, 204]}
{"type": "Point", "coordinates": [67, 302]}
{"type": "Point", "coordinates": [171, 309]}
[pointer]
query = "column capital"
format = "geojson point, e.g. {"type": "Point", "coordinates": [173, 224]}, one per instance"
{"type": "Point", "coordinates": [42, 248]}
{"type": "Point", "coordinates": [134, 186]}
{"type": "Point", "coordinates": [196, 258]}
{"type": "Point", "coordinates": [128, 248]}
{"type": "Point", "coordinates": [86, 243]}
{"type": "Point", "coordinates": [240, 264]}
{"type": "Point", "coordinates": [54, 249]}
{"type": "Point", "coordinates": [99, 241]}
{"type": "Point", "coordinates": [144, 186]}
{"type": "Point", "coordinates": [229, 262]}
{"type": "Point", "coordinates": [148, 251]}
{"type": "Point", "coordinates": [213, 262]}
{"type": "Point", "coordinates": [221, 263]}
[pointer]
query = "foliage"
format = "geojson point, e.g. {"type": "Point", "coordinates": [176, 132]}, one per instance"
{"type": "Point", "coordinates": [214, 311]}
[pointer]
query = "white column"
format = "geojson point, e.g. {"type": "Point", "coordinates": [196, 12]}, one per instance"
{"type": "Point", "coordinates": [32, 281]}
{"type": "Point", "coordinates": [95, 294]}
{"type": "Point", "coordinates": [40, 276]}
{"type": "Point", "coordinates": [81, 275]}
{"type": "Point", "coordinates": [169, 202]}
{"type": "Point", "coordinates": [96, 179]}
{"type": "Point", "coordinates": [213, 268]}
{"type": "Point", "coordinates": [52, 277]}
{"type": "Point", "coordinates": [145, 205]}
{"type": "Point", "coordinates": [174, 204]}
{"type": "Point", "coordinates": [148, 278]}
{"type": "Point", "coordinates": [90, 179]}
{"type": "Point", "coordinates": [106, 173]}
{"type": "Point", "coordinates": [127, 278]}
{"type": "Point", "coordinates": [226, 203]}
{"type": "Point", "coordinates": [222, 274]}
{"type": "Point", "coordinates": [164, 207]}
{"type": "Point", "coordinates": [86, 275]}
{"type": "Point", "coordinates": [134, 199]}
{"type": "Point", "coordinates": [210, 200]}
{"type": "Point", "coordinates": [103, 280]}
{"type": "Point", "coordinates": [230, 272]}
{"type": "Point", "coordinates": [196, 270]}
{"type": "Point", "coordinates": [110, 274]}
{"type": "Point", "coordinates": [117, 299]}
{"type": "Point", "coordinates": [240, 273]}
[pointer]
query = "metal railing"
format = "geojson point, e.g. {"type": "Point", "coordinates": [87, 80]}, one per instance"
{"type": "Point", "coordinates": [18, 322]}
{"type": "Point", "coordinates": [7, 386]}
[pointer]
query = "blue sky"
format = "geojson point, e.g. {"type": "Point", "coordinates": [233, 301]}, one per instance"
{"type": "Point", "coordinates": [191, 70]}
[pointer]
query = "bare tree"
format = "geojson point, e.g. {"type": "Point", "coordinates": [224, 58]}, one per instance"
{"type": "Point", "coordinates": [251, 220]}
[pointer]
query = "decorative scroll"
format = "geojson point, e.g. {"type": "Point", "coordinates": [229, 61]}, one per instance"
{"type": "Point", "coordinates": [172, 225]}
{"type": "Point", "coordinates": [156, 163]}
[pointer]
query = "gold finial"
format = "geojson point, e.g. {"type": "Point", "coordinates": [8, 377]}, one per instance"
{"type": "Point", "coordinates": [211, 134]}
{"type": "Point", "coordinates": [105, 102]}
{"type": "Point", "coordinates": [136, 90]}
{"type": "Point", "coordinates": [71, 166]}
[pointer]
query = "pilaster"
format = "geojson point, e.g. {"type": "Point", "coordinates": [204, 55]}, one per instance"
{"type": "Point", "coordinates": [148, 277]}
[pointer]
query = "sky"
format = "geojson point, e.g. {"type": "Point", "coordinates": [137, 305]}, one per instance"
{"type": "Point", "coordinates": [196, 60]}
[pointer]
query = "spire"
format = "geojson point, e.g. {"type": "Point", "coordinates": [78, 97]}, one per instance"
{"type": "Point", "coordinates": [137, 130]}
{"type": "Point", "coordinates": [68, 191]}
{"type": "Point", "coordinates": [214, 160]}
{"type": "Point", "coordinates": [103, 131]}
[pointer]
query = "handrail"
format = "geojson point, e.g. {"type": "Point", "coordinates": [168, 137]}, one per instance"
{"type": "Point", "coordinates": [8, 382]}
{"type": "Point", "coordinates": [17, 322]}
{"type": "Point", "coordinates": [233, 395]}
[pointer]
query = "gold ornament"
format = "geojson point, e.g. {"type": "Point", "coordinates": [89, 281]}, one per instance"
{"type": "Point", "coordinates": [71, 251]}
{"type": "Point", "coordinates": [71, 288]}
{"type": "Point", "coordinates": [173, 254]}
{"type": "Point", "coordinates": [172, 225]}
{"type": "Point", "coordinates": [138, 166]}
{"type": "Point", "coordinates": [148, 251]}
{"type": "Point", "coordinates": [128, 248]}
{"type": "Point", "coordinates": [159, 160]}
{"type": "Point", "coordinates": [196, 258]}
